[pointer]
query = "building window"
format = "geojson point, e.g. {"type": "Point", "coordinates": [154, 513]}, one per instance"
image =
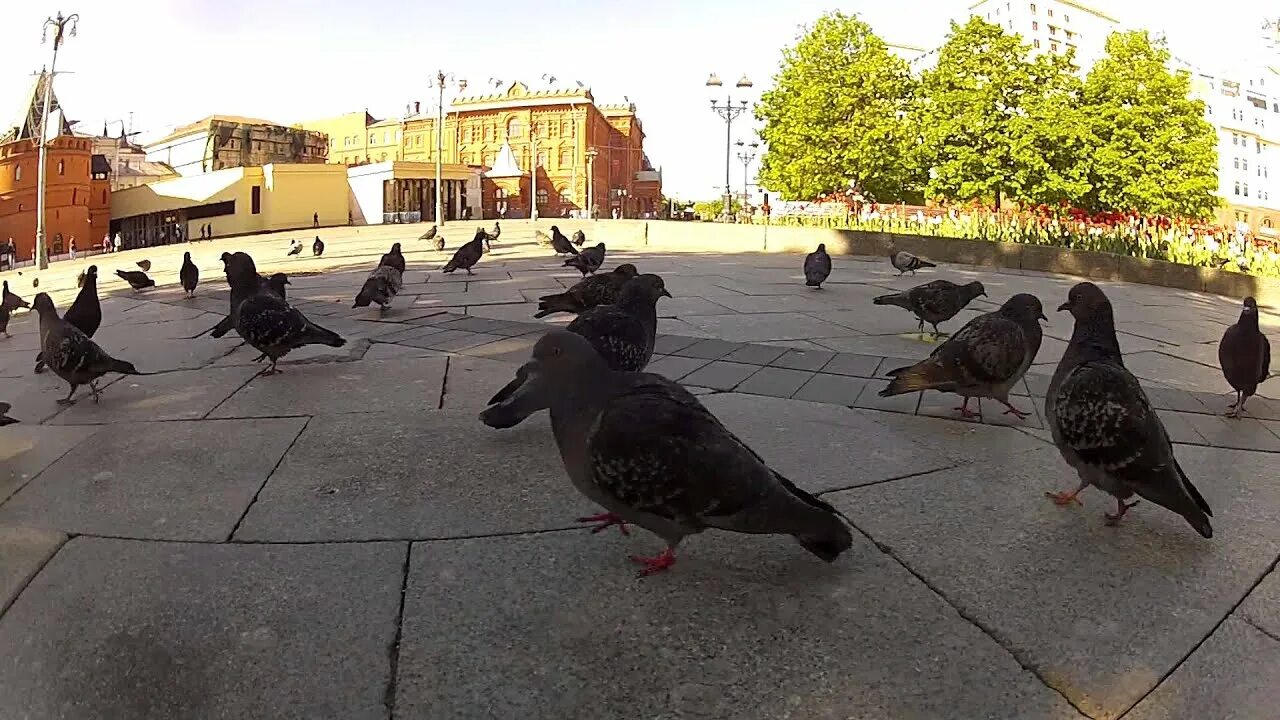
{"type": "Point", "coordinates": [1033, 7]}
{"type": "Point", "coordinates": [1053, 47]}
{"type": "Point", "coordinates": [1050, 12]}
{"type": "Point", "coordinates": [1244, 165]}
{"type": "Point", "coordinates": [74, 194]}
{"type": "Point", "coordinates": [566, 157]}
{"type": "Point", "coordinates": [1066, 18]}
{"type": "Point", "coordinates": [542, 159]}
{"type": "Point", "coordinates": [17, 172]}
{"type": "Point", "coordinates": [255, 200]}
{"type": "Point", "coordinates": [1035, 25]}
{"type": "Point", "coordinates": [104, 197]}
{"type": "Point", "coordinates": [1245, 187]}
{"type": "Point", "coordinates": [568, 129]}
{"type": "Point", "coordinates": [1236, 189]}
{"type": "Point", "coordinates": [1036, 43]}
{"type": "Point", "coordinates": [1053, 30]}
{"type": "Point", "coordinates": [1236, 162]}
{"type": "Point", "coordinates": [62, 168]}
{"type": "Point", "coordinates": [500, 194]}
{"type": "Point", "coordinates": [542, 197]}
{"type": "Point", "coordinates": [515, 128]}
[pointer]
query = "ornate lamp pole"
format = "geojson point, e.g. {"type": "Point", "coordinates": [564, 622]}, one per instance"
{"type": "Point", "coordinates": [60, 27]}
{"type": "Point", "coordinates": [440, 82]}
{"type": "Point", "coordinates": [591, 175]}
{"type": "Point", "coordinates": [728, 111]}
{"type": "Point", "coordinates": [746, 154]}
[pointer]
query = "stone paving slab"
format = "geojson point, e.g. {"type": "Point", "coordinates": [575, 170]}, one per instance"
{"type": "Point", "coordinates": [23, 551]}
{"type": "Point", "coordinates": [168, 480]}
{"type": "Point", "coordinates": [396, 385]}
{"type": "Point", "coordinates": [27, 449]}
{"type": "Point", "coordinates": [1100, 613]}
{"type": "Point", "coordinates": [473, 380]}
{"type": "Point", "coordinates": [1262, 607]}
{"type": "Point", "coordinates": [126, 629]}
{"type": "Point", "coordinates": [434, 474]}
{"type": "Point", "coordinates": [182, 395]}
{"type": "Point", "coordinates": [745, 627]}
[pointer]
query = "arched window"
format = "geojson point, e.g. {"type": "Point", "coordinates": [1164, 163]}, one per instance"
{"type": "Point", "coordinates": [104, 197]}
{"type": "Point", "coordinates": [17, 172]}
{"type": "Point", "coordinates": [515, 128]}
{"type": "Point", "coordinates": [542, 197]}
{"type": "Point", "coordinates": [74, 194]}
{"type": "Point", "coordinates": [500, 194]}
{"type": "Point", "coordinates": [62, 167]}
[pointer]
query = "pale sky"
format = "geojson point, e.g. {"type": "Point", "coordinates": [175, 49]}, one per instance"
{"type": "Point", "coordinates": [173, 61]}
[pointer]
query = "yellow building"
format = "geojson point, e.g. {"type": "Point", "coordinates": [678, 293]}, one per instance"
{"type": "Point", "coordinates": [348, 138]}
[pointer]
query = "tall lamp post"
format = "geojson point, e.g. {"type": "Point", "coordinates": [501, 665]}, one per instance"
{"type": "Point", "coordinates": [440, 82]}
{"type": "Point", "coordinates": [60, 27]}
{"type": "Point", "coordinates": [728, 111]}
{"type": "Point", "coordinates": [591, 175]}
{"type": "Point", "coordinates": [746, 154]}
{"type": "Point", "coordinates": [533, 169]}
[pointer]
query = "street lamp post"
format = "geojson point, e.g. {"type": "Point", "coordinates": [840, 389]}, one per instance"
{"type": "Point", "coordinates": [591, 175]}
{"type": "Point", "coordinates": [533, 170]}
{"type": "Point", "coordinates": [728, 111]}
{"type": "Point", "coordinates": [747, 154]}
{"type": "Point", "coordinates": [60, 26]}
{"type": "Point", "coordinates": [440, 82]}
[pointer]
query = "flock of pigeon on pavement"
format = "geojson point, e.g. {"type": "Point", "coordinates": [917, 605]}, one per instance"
{"type": "Point", "coordinates": [649, 453]}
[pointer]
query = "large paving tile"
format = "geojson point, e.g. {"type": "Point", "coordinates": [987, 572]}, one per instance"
{"type": "Point", "coordinates": [557, 626]}
{"type": "Point", "coordinates": [398, 385]}
{"type": "Point", "coordinates": [174, 480]}
{"type": "Point", "coordinates": [182, 395]}
{"type": "Point", "coordinates": [962, 442]}
{"type": "Point", "coordinates": [1262, 607]}
{"type": "Point", "coordinates": [417, 475]}
{"type": "Point", "coordinates": [1233, 675]}
{"type": "Point", "coordinates": [126, 629]}
{"type": "Point", "coordinates": [765, 326]}
{"type": "Point", "coordinates": [1102, 613]}
{"type": "Point", "coordinates": [26, 450]}
{"type": "Point", "coordinates": [23, 551]}
{"type": "Point", "coordinates": [471, 381]}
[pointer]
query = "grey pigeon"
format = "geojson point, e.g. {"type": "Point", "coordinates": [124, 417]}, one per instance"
{"type": "Point", "coordinates": [588, 292]}
{"type": "Point", "coordinates": [904, 261]}
{"type": "Point", "coordinates": [541, 237]}
{"type": "Point", "coordinates": [579, 238]}
{"type": "Point", "coordinates": [137, 279]}
{"type": "Point", "coordinates": [317, 247]}
{"type": "Point", "coordinates": [624, 333]}
{"type": "Point", "coordinates": [234, 263]}
{"type": "Point", "coordinates": [1245, 356]}
{"type": "Point", "coordinates": [269, 324]}
{"type": "Point", "coordinates": [934, 302]}
{"type": "Point", "coordinates": [4, 321]}
{"type": "Point", "coordinates": [85, 312]}
{"type": "Point", "coordinates": [649, 453]}
{"type": "Point", "coordinates": [4, 415]}
{"type": "Point", "coordinates": [381, 287]}
{"type": "Point", "coordinates": [1105, 427]}
{"type": "Point", "coordinates": [394, 258]}
{"type": "Point", "coordinates": [560, 243]}
{"type": "Point", "coordinates": [985, 359]}
{"type": "Point", "coordinates": [144, 264]}
{"type": "Point", "coordinates": [440, 243]}
{"type": "Point", "coordinates": [11, 301]}
{"type": "Point", "coordinates": [429, 234]}
{"type": "Point", "coordinates": [497, 231]}
{"type": "Point", "coordinates": [189, 274]}
{"type": "Point", "coordinates": [588, 261]}
{"type": "Point", "coordinates": [80, 279]}
{"type": "Point", "coordinates": [468, 255]}
{"type": "Point", "coordinates": [817, 267]}
{"type": "Point", "coordinates": [295, 248]}
{"type": "Point", "coordinates": [71, 355]}
{"type": "Point", "coordinates": [275, 285]}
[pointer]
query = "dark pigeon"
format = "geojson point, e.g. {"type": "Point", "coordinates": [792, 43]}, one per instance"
{"type": "Point", "coordinates": [71, 355]}
{"type": "Point", "coordinates": [934, 302]}
{"type": "Point", "coordinates": [649, 453]}
{"type": "Point", "coordinates": [468, 255]}
{"type": "Point", "coordinates": [317, 247]}
{"type": "Point", "coordinates": [588, 261]}
{"type": "Point", "coordinates": [137, 280]}
{"type": "Point", "coordinates": [394, 258]}
{"type": "Point", "coordinates": [904, 261]}
{"type": "Point", "coordinates": [817, 267]}
{"type": "Point", "coordinates": [4, 415]}
{"type": "Point", "coordinates": [11, 301]}
{"type": "Point", "coordinates": [624, 333]}
{"type": "Point", "coordinates": [429, 234]}
{"type": "Point", "coordinates": [1244, 356]}
{"type": "Point", "coordinates": [189, 274]}
{"type": "Point", "coordinates": [985, 359]}
{"type": "Point", "coordinates": [240, 262]}
{"type": "Point", "coordinates": [85, 312]}
{"type": "Point", "coordinates": [1104, 425]}
{"type": "Point", "coordinates": [4, 322]}
{"type": "Point", "coordinates": [588, 292]}
{"type": "Point", "coordinates": [145, 265]}
{"type": "Point", "coordinates": [381, 287]}
{"type": "Point", "coordinates": [269, 324]}
{"type": "Point", "coordinates": [579, 238]}
{"type": "Point", "coordinates": [275, 285]}
{"type": "Point", "coordinates": [560, 243]}
{"type": "Point", "coordinates": [497, 231]}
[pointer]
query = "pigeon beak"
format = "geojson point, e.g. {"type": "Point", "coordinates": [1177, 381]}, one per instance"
{"type": "Point", "coordinates": [1064, 306]}
{"type": "Point", "coordinates": [1042, 317]}
{"type": "Point", "coordinates": [665, 293]}
{"type": "Point", "coordinates": [519, 399]}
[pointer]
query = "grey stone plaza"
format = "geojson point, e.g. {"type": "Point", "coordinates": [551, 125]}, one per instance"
{"type": "Point", "coordinates": [346, 540]}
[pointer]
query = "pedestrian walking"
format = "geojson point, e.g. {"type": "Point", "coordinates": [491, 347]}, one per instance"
{"type": "Point", "coordinates": [119, 243]}
{"type": "Point", "coordinates": [315, 220]}
{"type": "Point", "coordinates": [72, 247]}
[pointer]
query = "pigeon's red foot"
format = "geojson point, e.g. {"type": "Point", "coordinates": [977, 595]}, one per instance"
{"type": "Point", "coordinates": [966, 413]}
{"type": "Point", "coordinates": [656, 564]}
{"type": "Point", "coordinates": [1121, 508]}
{"type": "Point", "coordinates": [1064, 498]}
{"type": "Point", "coordinates": [1020, 414]}
{"type": "Point", "coordinates": [606, 520]}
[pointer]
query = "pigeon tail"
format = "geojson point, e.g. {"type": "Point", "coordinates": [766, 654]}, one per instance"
{"type": "Point", "coordinates": [899, 299]}
{"type": "Point", "coordinates": [1197, 515]}
{"type": "Point", "coordinates": [124, 367]}
{"type": "Point", "coordinates": [813, 282]}
{"type": "Point", "coordinates": [926, 375]}
{"type": "Point", "coordinates": [224, 326]}
{"type": "Point", "coordinates": [551, 304]}
{"type": "Point", "coordinates": [321, 336]}
{"type": "Point", "coordinates": [924, 263]}
{"type": "Point", "coordinates": [831, 536]}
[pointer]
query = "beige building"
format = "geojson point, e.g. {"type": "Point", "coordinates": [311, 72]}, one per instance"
{"type": "Point", "coordinates": [218, 142]}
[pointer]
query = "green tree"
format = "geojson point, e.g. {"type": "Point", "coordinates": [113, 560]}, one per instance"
{"type": "Point", "coordinates": [1152, 150]}
{"type": "Point", "coordinates": [834, 115]}
{"type": "Point", "coordinates": [995, 124]}
{"type": "Point", "coordinates": [713, 209]}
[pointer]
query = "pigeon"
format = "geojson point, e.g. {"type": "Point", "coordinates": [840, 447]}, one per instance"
{"type": "Point", "coordinates": [985, 359]}
{"type": "Point", "coordinates": [497, 231]}
{"type": "Point", "coordinates": [4, 415]}
{"type": "Point", "coordinates": [80, 279]}
{"type": "Point", "coordinates": [904, 261]}
{"type": "Point", "coordinates": [241, 262]}
{"type": "Point", "coordinates": [579, 238]}
{"type": "Point", "coordinates": [650, 453]}
{"type": "Point", "coordinates": [381, 287]}
{"type": "Point", "coordinates": [560, 243]}
{"type": "Point", "coordinates": [1104, 425]}
{"type": "Point", "coordinates": [588, 261]}
{"type": "Point", "coordinates": [588, 292]}
{"type": "Point", "coordinates": [275, 285]}
{"type": "Point", "coordinates": [317, 247]}
{"type": "Point", "coordinates": [145, 265]}
{"type": "Point", "coordinates": [71, 355]}
{"type": "Point", "coordinates": [4, 320]}
{"type": "Point", "coordinates": [624, 333]}
{"type": "Point", "coordinates": [439, 243]}
{"type": "Point", "coordinates": [35, 282]}
{"type": "Point", "coordinates": [189, 274]}
{"type": "Point", "coordinates": [11, 301]}
{"type": "Point", "coordinates": [394, 258]}
{"type": "Point", "coordinates": [295, 248]}
{"type": "Point", "coordinates": [429, 234]}
{"type": "Point", "coordinates": [468, 255]}
{"type": "Point", "coordinates": [137, 280]}
{"type": "Point", "coordinates": [817, 267]}
{"type": "Point", "coordinates": [1245, 356]}
{"type": "Point", "coordinates": [269, 324]}
{"type": "Point", "coordinates": [541, 238]}
{"type": "Point", "coordinates": [85, 312]}
{"type": "Point", "coordinates": [934, 302]}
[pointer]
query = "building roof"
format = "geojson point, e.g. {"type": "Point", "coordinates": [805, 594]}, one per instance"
{"type": "Point", "coordinates": [98, 165]}
{"type": "Point", "coordinates": [146, 168]}
{"type": "Point", "coordinates": [518, 94]}
{"type": "Point", "coordinates": [204, 123]}
{"type": "Point", "coordinates": [28, 113]}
